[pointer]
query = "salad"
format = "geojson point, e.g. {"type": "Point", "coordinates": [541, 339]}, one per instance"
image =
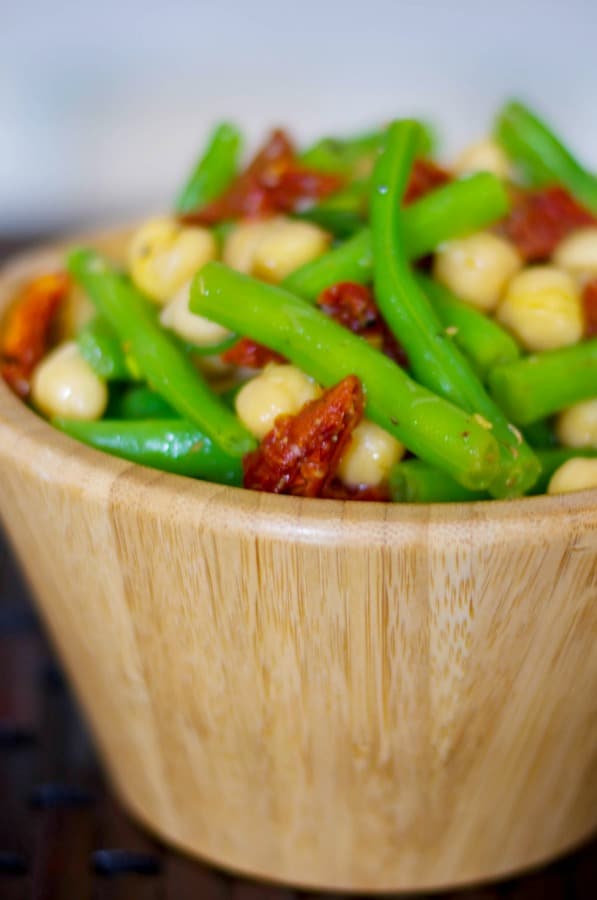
{"type": "Point", "coordinates": [349, 320]}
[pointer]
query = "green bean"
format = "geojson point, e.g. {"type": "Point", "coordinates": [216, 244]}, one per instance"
{"type": "Point", "coordinates": [171, 445]}
{"type": "Point", "coordinates": [429, 426]}
{"type": "Point", "coordinates": [344, 156]}
{"type": "Point", "coordinates": [341, 223]}
{"type": "Point", "coordinates": [453, 210]}
{"type": "Point", "coordinates": [343, 213]}
{"type": "Point", "coordinates": [544, 383]}
{"type": "Point", "coordinates": [221, 231]}
{"type": "Point", "coordinates": [541, 155]}
{"type": "Point", "coordinates": [415, 481]}
{"type": "Point", "coordinates": [480, 338]}
{"type": "Point", "coordinates": [140, 402]}
{"type": "Point", "coordinates": [340, 156]}
{"type": "Point", "coordinates": [158, 358]}
{"type": "Point", "coordinates": [100, 346]}
{"type": "Point", "coordinates": [213, 171]}
{"type": "Point", "coordinates": [434, 359]}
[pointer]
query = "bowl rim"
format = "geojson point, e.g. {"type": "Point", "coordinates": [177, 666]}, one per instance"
{"type": "Point", "coordinates": [39, 448]}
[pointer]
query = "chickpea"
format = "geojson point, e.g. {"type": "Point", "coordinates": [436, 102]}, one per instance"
{"type": "Point", "coordinates": [278, 390]}
{"type": "Point", "coordinates": [542, 308]}
{"type": "Point", "coordinates": [483, 156]}
{"type": "Point", "coordinates": [369, 457]}
{"type": "Point", "coordinates": [241, 244]}
{"type": "Point", "coordinates": [290, 245]}
{"type": "Point", "coordinates": [578, 252]}
{"type": "Point", "coordinates": [64, 384]}
{"type": "Point", "coordinates": [163, 255]}
{"type": "Point", "coordinates": [477, 268]}
{"type": "Point", "coordinates": [577, 474]}
{"type": "Point", "coordinates": [577, 426]}
{"type": "Point", "coordinates": [190, 327]}
{"type": "Point", "coordinates": [274, 248]}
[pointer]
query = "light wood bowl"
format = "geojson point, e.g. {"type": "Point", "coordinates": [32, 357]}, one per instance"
{"type": "Point", "coordinates": [335, 695]}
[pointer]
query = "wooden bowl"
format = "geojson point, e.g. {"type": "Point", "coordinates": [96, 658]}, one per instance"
{"type": "Point", "coordinates": [339, 695]}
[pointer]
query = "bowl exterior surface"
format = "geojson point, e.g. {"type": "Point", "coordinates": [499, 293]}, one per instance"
{"type": "Point", "coordinates": [348, 696]}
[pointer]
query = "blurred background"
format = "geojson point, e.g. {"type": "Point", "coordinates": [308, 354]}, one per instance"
{"type": "Point", "coordinates": [103, 105]}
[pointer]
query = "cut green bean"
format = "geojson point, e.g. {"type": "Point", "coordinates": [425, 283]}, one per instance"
{"type": "Point", "coordinates": [214, 171]}
{"type": "Point", "coordinates": [157, 356]}
{"type": "Point", "coordinates": [450, 211]}
{"type": "Point", "coordinates": [221, 231]}
{"type": "Point", "coordinates": [169, 445]}
{"type": "Point", "coordinates": [140, 402]}
{"type": "Point", "coordinates": [480, 338]}
{"type": "Point", "coordinates": [415, 481]}
{"type": "Point", "coordinates": [434, 359]}
{"type": "Point", "coordinates": [340, 156]}
{"type": "Point", "coordinates": [343, 213]}
{"type": "Point", "coordinates": [537, 386]}
{"type": "Point", "coordinates": [352, 155]}
{"type": "Point", "coordinates": [454, 210]}
{"type": "Point", "coordinates": [428, 425]}
{"type": "Point", "coordinates": [100, 346]}
{"type": "Point", "coordinates": [541, 155]}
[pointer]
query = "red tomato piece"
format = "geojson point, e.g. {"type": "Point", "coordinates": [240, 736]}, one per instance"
{"type": "Point", "coordinates": [539, 220]}
{"type": "Point", "coordinates": [353, 306]}
{"type": "Point", "coordinates": [273, 182]}
{"type": "Point", "coordinates": [250, 355]}
{"type": "Point", "coordinates": [425, 176]}
{"type": "Point", "coordinates": [298, 188]}
{"type": "Point", "coordinates": [350, 304]}
{"type": "Point", "coordinates": [301, 453]}
{"type": "Point", "coordinates": [28, 331]}
{"type": "Point", "coordinates": [589, 299]}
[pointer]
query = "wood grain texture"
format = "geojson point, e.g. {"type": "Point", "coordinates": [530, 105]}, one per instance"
{"type": "Point", "coordinates": [351, 696]}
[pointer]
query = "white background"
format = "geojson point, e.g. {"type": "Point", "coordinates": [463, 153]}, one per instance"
{"type": "Point", "coordinates": [103, 104]}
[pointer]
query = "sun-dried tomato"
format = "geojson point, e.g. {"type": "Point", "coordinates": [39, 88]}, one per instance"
{"type": "Point", "coordinates": [589, 299]}
{"type": "Point", "coordinates": [298, 188]}
{"type": "Point", "coordinates": [274, 181]}
{"type": "Point", "coordinates": [28, 330]}
{"type": "Point", "coordinates": [301, 453]}
{"type": "Point", "coordinates": [353, 306]}
{"type": "Point", "coordinates": [250, 355]}
{"type": "Point", "coordinates": [539, 220]}
{"type": "Point", "coordinates": [425, 176]}
{"type": "Point", "coordinates": [350, 304]}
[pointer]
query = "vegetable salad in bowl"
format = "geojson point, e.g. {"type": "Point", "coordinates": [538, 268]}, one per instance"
{"type": "Point", "coordinates": [352, 320]}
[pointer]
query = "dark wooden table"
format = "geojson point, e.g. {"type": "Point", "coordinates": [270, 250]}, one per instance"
{"type": "Point", "coordinates": [63, 836]}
